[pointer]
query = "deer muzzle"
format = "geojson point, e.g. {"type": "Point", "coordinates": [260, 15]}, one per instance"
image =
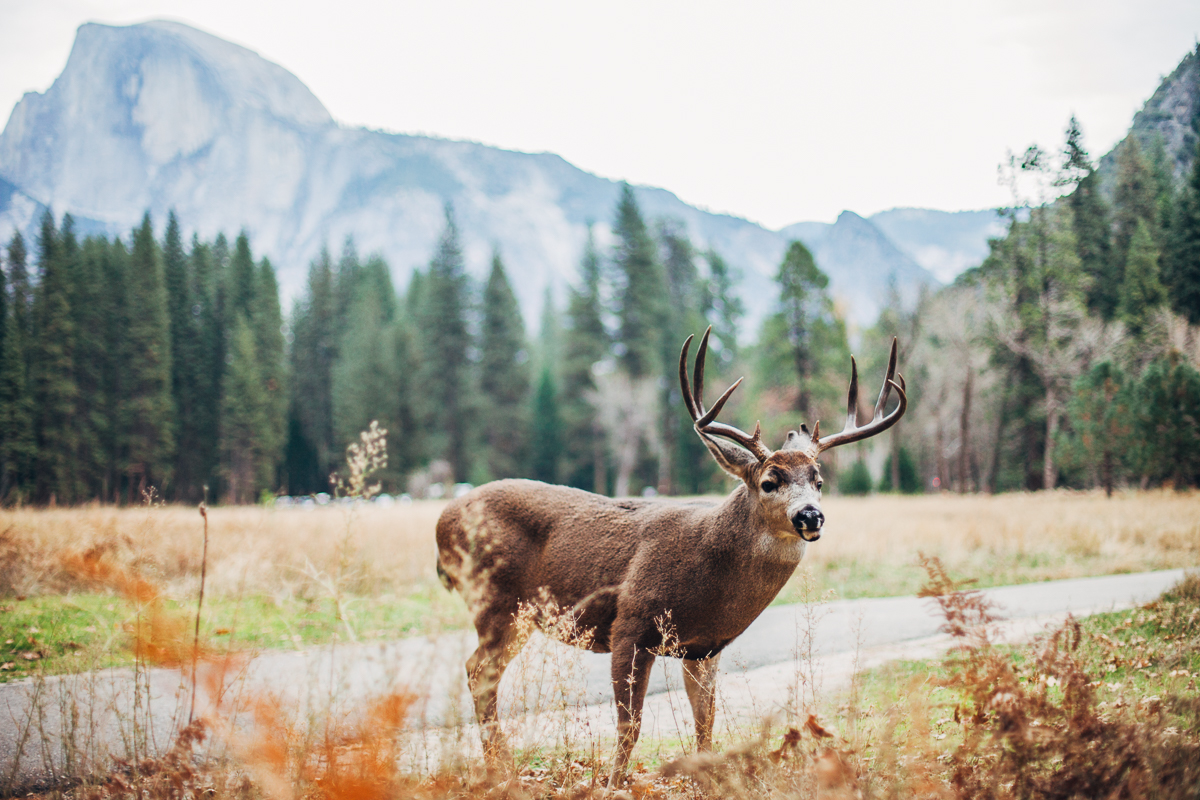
{"type": "Point", "coordinates": [807, 522]}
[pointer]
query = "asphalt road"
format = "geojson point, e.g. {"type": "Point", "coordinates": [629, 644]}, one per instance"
{"type": "Point", "coordinates": [57, 727]}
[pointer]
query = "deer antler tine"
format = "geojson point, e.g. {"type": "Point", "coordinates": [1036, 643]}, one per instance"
{"type": "Point", "coordinates": [880, 423]}
{"type": "Point", "coordinates": [688, 400]}
{"type": "Point", "coordinates": [816, 436]}
{"type": "Point", "coordinates": [698, 373]}
{"type": "Point", "coordinates": [711, 414]}
{"type": "Point", "coordinates": [852, 397]}
{"type": "Point", "coordinates": [886, 390]}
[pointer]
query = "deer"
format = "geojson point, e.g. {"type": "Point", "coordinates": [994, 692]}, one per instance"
{"type": "Point", "coordinates": [618, 567]}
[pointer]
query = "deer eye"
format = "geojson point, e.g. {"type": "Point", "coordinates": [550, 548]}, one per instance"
{"type": "Point", "coordinates": [819, 485]}
{"type": "Point", "coordinates": [769, 486]}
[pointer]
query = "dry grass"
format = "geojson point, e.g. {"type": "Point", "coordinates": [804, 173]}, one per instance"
{"type": "Point", "coordinates": [871, 544]}
{"type": "Point", "coordinates": [869, 548]}
{"type": "Point", "coordinates": [367, 549]}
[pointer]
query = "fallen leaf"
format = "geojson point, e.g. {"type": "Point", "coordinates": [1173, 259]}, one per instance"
{"type": "Point", "coordinates": [815, 728]}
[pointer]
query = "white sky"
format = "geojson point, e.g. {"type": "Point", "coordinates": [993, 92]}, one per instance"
{"type": "Point", "coordinates": [774, 111]}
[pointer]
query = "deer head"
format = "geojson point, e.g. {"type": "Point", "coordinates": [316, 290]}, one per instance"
{"type": "Point", "coordinates": [784, 485]}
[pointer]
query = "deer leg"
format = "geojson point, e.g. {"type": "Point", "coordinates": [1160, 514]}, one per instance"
{"type": "Point", "coordinates": [485, 668]}
{"type": "Point", "coordinates": [630, 676]}
{"type": "Point", "coordinates": [700, 682]}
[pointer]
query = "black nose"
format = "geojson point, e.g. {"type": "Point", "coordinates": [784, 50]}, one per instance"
{"type": "Point", "coordinates": [808, 518]}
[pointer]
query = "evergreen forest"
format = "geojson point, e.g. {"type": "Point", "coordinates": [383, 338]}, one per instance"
{"type": "Point", "coordinates": [154, 366]}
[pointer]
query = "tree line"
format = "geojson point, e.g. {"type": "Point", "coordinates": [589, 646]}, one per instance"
{"type": "Point", "coordinates": [1067, 358]}
{"type": "Point", "coordinates": [135, 368]}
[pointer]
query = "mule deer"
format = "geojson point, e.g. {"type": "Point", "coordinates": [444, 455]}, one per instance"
{"type": "Point", "coordinates": [620, 566]}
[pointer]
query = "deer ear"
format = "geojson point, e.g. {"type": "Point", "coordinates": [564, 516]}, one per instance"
{"type": "Point", "coordinates": [737, 461]}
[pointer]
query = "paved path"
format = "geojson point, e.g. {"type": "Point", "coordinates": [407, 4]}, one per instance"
{"type": "Point", "coordinates": [75, 724]}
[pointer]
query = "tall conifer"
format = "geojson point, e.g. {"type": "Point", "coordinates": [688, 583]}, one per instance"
{"type": "Point", "coordinates": [585, 344]}
{"type": "Point", "coordinates": [445, 344]}
{"type": "Point", "coordinates": [503, 378]}
{"type": "Point", "coordinates": [267, 320]}
{"type": "Point", "coordinates": [1183, 276]}
{"type": "Point", "coordinates": [17, 445]}
{"type": "Point", "coordinates": [313, 355]}
{"type": "Point", "coordinates": [52, 371]}
{"type": "Point", "coordinates": [641, 308]}
{"type": "Point", "coordinates": [186, 341]}
{"type": "Point", "coordinates": [243, 414]}
{"type": "Point", "coordinates": [148, 408]}
{"type": "Point", "coordinates": [1142, 291]}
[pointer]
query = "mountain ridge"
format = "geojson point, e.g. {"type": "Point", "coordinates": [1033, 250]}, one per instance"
{"type": "Point", "coordinates": [162, 116]}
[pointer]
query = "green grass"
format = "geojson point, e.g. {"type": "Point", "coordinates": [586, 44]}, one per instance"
{"type": "Point", "coordinates": [56, 634]}
{"type": "Point", "coordinates": [1149, 654]}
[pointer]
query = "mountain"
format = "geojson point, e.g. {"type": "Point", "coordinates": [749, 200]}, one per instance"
{"type": "Point", "coordinates": [860, 254]}
{"type": "Point", "coordinates": [943, 242]}
{"type": "Point", "coordinates": [161, 116]}
{"type": "Point", "coordinates": [1172, 113]}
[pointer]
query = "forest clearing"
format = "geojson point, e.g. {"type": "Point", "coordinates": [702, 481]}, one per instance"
{"type": "Point", "coordinates": [294, 577]}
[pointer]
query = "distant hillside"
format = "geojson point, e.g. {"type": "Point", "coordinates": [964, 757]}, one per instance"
{"type": "Point", "coordinates": [161, 116]}
{"type": "Point", "coordinates": [859, 252]}
{"type": "Point", "coordinates": [1172, 112]}
{"type": "Point", "coordinates": [943, 242]}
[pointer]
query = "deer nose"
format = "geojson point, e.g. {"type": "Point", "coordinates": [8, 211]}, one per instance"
{"type": "Point", "coordinates": [808, 518]}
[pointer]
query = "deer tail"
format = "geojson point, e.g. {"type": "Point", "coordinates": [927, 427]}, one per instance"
{"type": "Point", "coordinates": [444, 576]}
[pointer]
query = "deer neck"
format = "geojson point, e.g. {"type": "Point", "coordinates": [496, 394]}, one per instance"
{"type": "Point", "coordinates": [739, 523]}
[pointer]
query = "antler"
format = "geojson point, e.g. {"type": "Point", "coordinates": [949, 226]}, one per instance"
{"type": "Point", "coordinates": [693, 398]}
{"type": "Point", "coordinates": [878, 423]}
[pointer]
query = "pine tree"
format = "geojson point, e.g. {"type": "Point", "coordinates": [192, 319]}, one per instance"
{"type": "Point", "coordinates": [801, 290]}
{"type": "Point", "coordinates": [267, 320]}
{"type": "Point", "coordinates": [585, 345]}
{"type": "Point", "coordinates": [547, 429]}
{"type": "Point", "coordinates": [406, 442]}
{"type": "Point", "coordinates": [722, 306]}
{"type": "Point", "coordinates": [503, 378]}
{"type": "Point", "coordinates": [115, 312]}
{"type": "Point", "coordinates": [1183, 277]}
{"type": "Point", "coordinates": [1099, 416]}
{"type": "Point", "coordinates": [1134, 198]}
{"type": "Point", "coordinates": [365, 379]}
{"type": "Point", "coordinates": [148, 411]}
{"type": "Point", "coordinates": [185, 338]}
{"type": "Point", "coordinates": [445, 345]}
{"type": "Point", "coordinates": [1142, 291]}
{"type": "Point", "coordinates": [204, 429]}
{"type": "Point", "coordinates": [313, 355]}
{"type": "Point", "coordinates": [1167, 432]}
{"type": "Point", "coordinates": [347, 283]}
{"type": "Point", "coordinates": [1093, 235]}
{"type": "Point", "coordinates": [17, 446]}
{"type": "Point", "coordinates": [641, 308]}
{"type": "Point", "coordinates": [52, 372]}
{"type": "Point", "coordinates": [242, 279]}
{"type": "Point", "coordinates": [243, 412]}
{"type": "Point", "coordinates": [685, 463]}
{"type": "Point", "coordinates": [92, 363]}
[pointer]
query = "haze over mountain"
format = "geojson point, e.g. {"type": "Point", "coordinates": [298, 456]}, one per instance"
{"type": "Point", "coordinates": [161, 116]}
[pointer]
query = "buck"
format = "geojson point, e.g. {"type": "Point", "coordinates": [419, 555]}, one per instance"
{"type": "Point", "coordinates": [620, 567]}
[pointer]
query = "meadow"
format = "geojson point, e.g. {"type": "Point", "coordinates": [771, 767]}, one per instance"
{"type": "Point", "coordinates": [293, 578]}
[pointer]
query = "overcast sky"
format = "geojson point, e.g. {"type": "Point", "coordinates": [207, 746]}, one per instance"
{"type": "Point", "coordinates": [778, 112]}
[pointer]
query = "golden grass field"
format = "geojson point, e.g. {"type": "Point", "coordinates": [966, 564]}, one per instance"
{"type": "Point", "coordinates": [368, 572]}
{"type": "Point", "coordinates": [869, 547]}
